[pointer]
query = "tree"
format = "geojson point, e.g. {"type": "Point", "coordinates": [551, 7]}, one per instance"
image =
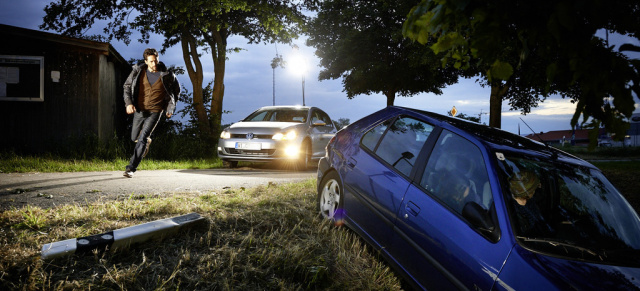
{"type": "Point", "coordinates": [505, 40]}
{"type": "Point", "coordinates": [361, 42]}
{"type": "Point", "coordinates": [194, 24]}
{"type": "Point", "coordinates": [341, 123]}
{"type": "Point", "coordinates": [464, 116]}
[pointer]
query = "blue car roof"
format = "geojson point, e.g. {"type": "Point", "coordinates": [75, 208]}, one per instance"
{"type": "Point", "coordinates": [496, 139]}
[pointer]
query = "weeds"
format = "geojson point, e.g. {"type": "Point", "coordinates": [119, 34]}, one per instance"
{"type": "Point", "coordinates": [32, 218]}
{"type": "Point", "coordinates": [264, 238]}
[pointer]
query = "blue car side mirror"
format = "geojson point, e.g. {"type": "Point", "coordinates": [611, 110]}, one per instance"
{"type": "Point", "coordinates": [480, 218]}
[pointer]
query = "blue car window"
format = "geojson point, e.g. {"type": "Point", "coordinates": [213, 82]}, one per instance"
{"type": "Point", "coordinates": [456, 173]}
{"type": "Point", "coordinates": [402, 143]}
{"type": "Point", "coordinates": [371, 138]}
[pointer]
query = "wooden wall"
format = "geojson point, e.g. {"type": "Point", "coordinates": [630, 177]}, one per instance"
{"type": "Point", "coordinates": [87, 100]}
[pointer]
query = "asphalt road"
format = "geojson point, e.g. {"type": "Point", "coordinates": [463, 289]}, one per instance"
{"type": "Point", "coordinates": [51, 189]}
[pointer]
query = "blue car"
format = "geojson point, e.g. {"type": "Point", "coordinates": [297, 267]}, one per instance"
{"type": "Point", "coordinates": [453, 204]}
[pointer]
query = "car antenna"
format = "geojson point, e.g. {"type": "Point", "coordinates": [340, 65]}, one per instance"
{"type": "Point", "coordinates": [553, 153]}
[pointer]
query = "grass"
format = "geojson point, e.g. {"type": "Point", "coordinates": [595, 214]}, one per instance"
{"type": "Point", "coordinates": [10, 163]}
{"type": "Point", "coordinates": [624, 176]}
{"type": "Point", "coordinates": [621, 165]}
{"type": "Point", "coordinates": [264, 238]}
{"type": "Point", "coordinates": [604, 153]}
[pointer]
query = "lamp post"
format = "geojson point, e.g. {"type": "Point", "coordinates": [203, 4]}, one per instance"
{"type": "Point", "coordinates": [303, 90]}
{"type": "Point", "coordinates": [300, 66]}
{"type": "Point", "coordinates": [276, 62]}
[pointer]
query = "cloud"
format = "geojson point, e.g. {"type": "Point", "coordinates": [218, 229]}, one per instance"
{"type": "Point", "coordinates": [249, 80]}
{"type": "Point", "coordinates": [550, 107]}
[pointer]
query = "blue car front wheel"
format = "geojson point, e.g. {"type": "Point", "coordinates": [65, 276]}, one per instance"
{"type": "Point", "coordinates": [330, 199]}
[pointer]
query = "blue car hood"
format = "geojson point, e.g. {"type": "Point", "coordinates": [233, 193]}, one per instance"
{"type": "Point", "coordinates": [525, 270]}
{"type": "Point", "coordinates": [584, 276]}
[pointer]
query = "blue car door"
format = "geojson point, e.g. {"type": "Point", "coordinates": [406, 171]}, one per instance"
{"type": "Point", "coordinates": [379, 173]}
{"type": "Point", "coordinates": [434, 243]}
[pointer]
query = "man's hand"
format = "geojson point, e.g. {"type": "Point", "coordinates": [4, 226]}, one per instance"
{"type": "Point", "coordinates": [169, 115]}
{"type": "Point", "coordinates": [130, 109]}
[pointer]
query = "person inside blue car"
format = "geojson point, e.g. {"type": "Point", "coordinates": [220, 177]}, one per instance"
{"type": "Point", "coordinates": [523, 186]}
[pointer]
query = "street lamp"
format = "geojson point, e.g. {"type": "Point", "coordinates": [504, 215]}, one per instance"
{"type": "Point", "coordinates": [299, 65]}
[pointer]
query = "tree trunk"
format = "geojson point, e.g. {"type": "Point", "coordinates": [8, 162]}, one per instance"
{"type": "Point", "coordinates": [219, 50]}
{"type": "Point", "coordinates": [194, 69]}
{"type": "Point", "coordinates": [495, 104]}
{"type": "Point", "coordinates": [391, 97]}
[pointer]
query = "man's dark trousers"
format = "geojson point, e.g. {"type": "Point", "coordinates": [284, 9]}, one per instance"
{"type": "Point", "coordinates": [144, 122]}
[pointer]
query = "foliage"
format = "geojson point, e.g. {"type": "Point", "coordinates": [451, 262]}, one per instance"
{"type": "Point", "coordinates": [171, 145]}
{"type": "Point", "coordinates": [549, 45]}
{"type": "Point", "coordinates": [204, 25]}
{"type": "Point", "coordinates": [467, 117]}
{"type": "Point", "coordinates": [361, 42]}
{"type": "Point", "coordinates": [341, 123]}
{"type": "Point", "coordinates": [278, 61]}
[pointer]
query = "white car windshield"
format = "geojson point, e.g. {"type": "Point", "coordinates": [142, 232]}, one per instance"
{"type": "Point", "coordinates": [569, 210]}
{"type": "Point", "coordinates": [280, 115]}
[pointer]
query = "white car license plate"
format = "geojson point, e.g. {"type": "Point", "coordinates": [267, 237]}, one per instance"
{"type": "Point", "coordinates": [248, 146]}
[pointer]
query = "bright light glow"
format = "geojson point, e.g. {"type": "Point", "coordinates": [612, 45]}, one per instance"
{"type": "Point", "coordinates": [292, 151]}
{"type": "Point", "coordinates": [291, 135]}
{"type": "Point", "coordinates": [225, 135]}
{"type": "Point", "coordinates": [298, 64]}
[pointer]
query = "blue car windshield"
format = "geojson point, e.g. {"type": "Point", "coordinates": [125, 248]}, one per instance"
{"type": "Point", "coordinates": [280, 114]}
{"type": "Point", "coordinates": [569, 210]}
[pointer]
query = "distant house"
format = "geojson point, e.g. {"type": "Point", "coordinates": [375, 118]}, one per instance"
{"type": "Point", "coordinates": [556, 137]}
{"type": "Point", "coordinates": [633, 134]}
{"type": "Point", "coordinates": [582, 136]}
{"type": "Point", "coordinates": [53, 87]}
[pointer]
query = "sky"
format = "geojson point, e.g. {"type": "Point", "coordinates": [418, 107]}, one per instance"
{"type": "Point", "coordinates": [249, 81]}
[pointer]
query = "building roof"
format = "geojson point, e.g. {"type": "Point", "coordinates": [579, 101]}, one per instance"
{"type": "Point", "coordinates": [556, 135]}
{"type": "Point", "coordinates": [105, 47]}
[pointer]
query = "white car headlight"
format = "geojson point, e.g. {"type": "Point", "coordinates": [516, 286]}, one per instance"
{"type": "Point", "coordinates": [292, 151]}
{"type": "Point", "coordinates": [291, 135]}
{"type": "Point", "coordinates": [225, 135]}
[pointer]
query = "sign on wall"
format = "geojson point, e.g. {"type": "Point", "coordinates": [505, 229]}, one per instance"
{"type": "Point", "coordinates": [21, 78]}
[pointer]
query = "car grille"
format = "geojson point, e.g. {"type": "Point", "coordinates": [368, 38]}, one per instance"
{"type": "Point", "coordinates": [255, 136]}
{"type": "Point", "coordinates": [266, 152]}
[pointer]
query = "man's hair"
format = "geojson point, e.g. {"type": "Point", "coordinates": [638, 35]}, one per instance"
{"type": "Point", "coordinates": [149, 52]}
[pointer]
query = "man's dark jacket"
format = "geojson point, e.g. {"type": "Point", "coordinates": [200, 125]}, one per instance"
{"type": "Point", "coordinates": [169, 81]}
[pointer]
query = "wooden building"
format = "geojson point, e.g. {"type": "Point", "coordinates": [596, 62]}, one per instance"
{"type": "Point", "coordinates": [54, 87]}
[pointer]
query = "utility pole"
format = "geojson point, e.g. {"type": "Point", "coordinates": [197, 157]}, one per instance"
{"type": "Point", "coordinates": [276, 62]}
{"type": "Point", "coordinates": [480, 116]}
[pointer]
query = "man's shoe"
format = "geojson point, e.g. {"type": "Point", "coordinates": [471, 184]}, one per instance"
{"type": "Point", "coordinates": [128, 174]}
{"type": "Point", "coordinates": [146, 149]}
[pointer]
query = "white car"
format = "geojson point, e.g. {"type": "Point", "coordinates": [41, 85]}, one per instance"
{"type": "Point", "coordinates": [296, 134]}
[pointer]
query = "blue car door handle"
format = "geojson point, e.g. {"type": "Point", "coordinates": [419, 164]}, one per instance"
{"type": "Point", "coordinates": [412, 209]}
{"type": "Point", "coordinates": [351, 162]}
